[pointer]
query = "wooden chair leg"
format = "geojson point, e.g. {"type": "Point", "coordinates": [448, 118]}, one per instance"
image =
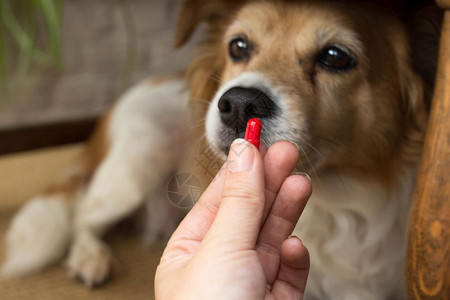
{"type": "Point", "coordinates": [428, 248]}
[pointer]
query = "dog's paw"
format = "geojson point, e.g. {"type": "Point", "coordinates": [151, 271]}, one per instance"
{"type": "Point", "coordinates": [89, 260]}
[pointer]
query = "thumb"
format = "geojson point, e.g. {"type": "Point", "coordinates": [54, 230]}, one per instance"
{"type": "Point", "coordinates": [238, 219]}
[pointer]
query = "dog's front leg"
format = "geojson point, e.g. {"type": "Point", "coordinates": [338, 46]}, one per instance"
{"type": "Point", "coordinates": [133, 169]}
{"type": "Point", "coordinates": [115, 192]}
{"type": "Point", "coordinates": [146, 142]}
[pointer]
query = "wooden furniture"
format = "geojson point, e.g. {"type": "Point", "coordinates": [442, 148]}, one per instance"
{"type": "Point", "coordinates": [45, 135]}
{"type": "Point", "coordinates": [428, 249]}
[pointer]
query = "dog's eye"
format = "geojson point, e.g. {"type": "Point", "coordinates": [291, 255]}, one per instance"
{"type": "Point", "coordinates": [337, 59]}
{"type": "Point", "coordinates": [239, 49]}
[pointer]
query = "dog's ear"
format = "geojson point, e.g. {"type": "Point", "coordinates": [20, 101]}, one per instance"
{"type": "Point", "coordinates": [425, 30]}
{"type": "Point", "coordinates": [414, 101]}
{"type": "Point", "coordinates": [413, 94]}
{"type": "Point", "coordinates": [416, 83]}
{"type": "Point", "coordinates": [195, 12]}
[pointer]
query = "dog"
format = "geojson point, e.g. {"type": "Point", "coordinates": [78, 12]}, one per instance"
{"type": "Point", "coordinates": [335, 78]}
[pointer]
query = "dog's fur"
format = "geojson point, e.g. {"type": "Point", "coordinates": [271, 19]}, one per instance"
{"type": "Point", "coordinates": [359, 132]}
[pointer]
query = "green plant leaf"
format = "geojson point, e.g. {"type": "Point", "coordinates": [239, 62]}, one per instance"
{"type": "Point", "coordinates": [19, 22]}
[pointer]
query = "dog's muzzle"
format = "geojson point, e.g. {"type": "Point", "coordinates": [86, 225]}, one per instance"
{"type": "Point", "coordinates": [238, 105]}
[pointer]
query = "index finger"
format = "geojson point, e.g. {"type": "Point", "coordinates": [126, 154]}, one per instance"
{"type": "Point", "coordinates": [279, 162]}
{"type": "Point", "coordinates": [197, 222]}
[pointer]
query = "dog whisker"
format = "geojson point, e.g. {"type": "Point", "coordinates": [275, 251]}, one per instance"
{"type": "Point", "coordinates": [310, 163]}
{"type": "Point", "coordinates": [197, 124]}
{"type": "Point", "coordinates": [328, 141]}
{"type": "Point", "coordinates": [303, 169]}
{"type": "Point", "coordinates": [199, 101]}
{"type": "Point", "coordinates": [315, 149]}
{"type": "Point", "coordinates": [215, 78]}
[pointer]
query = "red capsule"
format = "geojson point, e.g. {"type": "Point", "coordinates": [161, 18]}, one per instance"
{"type": "Point", "coordinates": [253, 132]}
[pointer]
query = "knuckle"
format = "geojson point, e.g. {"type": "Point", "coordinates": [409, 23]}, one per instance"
{"type": "Point", "coordinates": [244, 193]}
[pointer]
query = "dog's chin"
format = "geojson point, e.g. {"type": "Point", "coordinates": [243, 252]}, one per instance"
{"type": "Point", "coordinates": [220, 150]}
{"type": "Point", "coordinates": [223, 139]}
{"type": "Point", "coordinates": [226, 139]}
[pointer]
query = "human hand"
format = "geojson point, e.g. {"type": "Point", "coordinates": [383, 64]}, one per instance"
{"type": "Point", "coordinates": [234, 242]}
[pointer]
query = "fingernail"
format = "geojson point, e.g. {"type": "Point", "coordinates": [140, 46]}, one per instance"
{"type": "Point", "coordinates": [295, 237]}
{"type": "Point", "coordinates": [295, 144]}
{"type": "Point", "coordinates": [302, 174]}
{"type": "Point", "coordinates": [241, 156]}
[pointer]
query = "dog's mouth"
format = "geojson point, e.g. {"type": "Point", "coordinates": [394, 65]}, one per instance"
{"type": "Point", "coordinates": [228, 134]}
{"type": "Point", "coordinates": [226, 138]}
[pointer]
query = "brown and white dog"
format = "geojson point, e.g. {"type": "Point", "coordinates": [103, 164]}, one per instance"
{"type": "Point", "coordinates": [334, 78]}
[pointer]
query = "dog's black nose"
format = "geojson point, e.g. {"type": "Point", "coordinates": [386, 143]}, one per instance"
{"type": "Point", "coordinates": [238, 105]}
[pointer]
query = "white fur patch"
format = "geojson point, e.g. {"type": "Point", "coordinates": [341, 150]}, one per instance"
{"type": "Point", "coordinates": [38, 236]}
{"type": "Point", "coordinates": [355, 231]}
{"type": "Point", "coordinates": [147, 106]}
{"type": "Point", "coordinates": [147, 133]}
{"type": "Point", "coordinates": [148, 130]}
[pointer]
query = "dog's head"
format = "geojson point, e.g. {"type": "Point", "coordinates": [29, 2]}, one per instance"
{"type": "Point", "coordinates": [334, 78]}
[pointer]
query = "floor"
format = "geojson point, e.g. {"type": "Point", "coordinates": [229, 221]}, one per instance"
{"type": "Point", "coordinates": [24, 175]}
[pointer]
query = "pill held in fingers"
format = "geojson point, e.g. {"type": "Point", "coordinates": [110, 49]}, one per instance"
{"type": "Point", "coordinates": [253, 132]}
